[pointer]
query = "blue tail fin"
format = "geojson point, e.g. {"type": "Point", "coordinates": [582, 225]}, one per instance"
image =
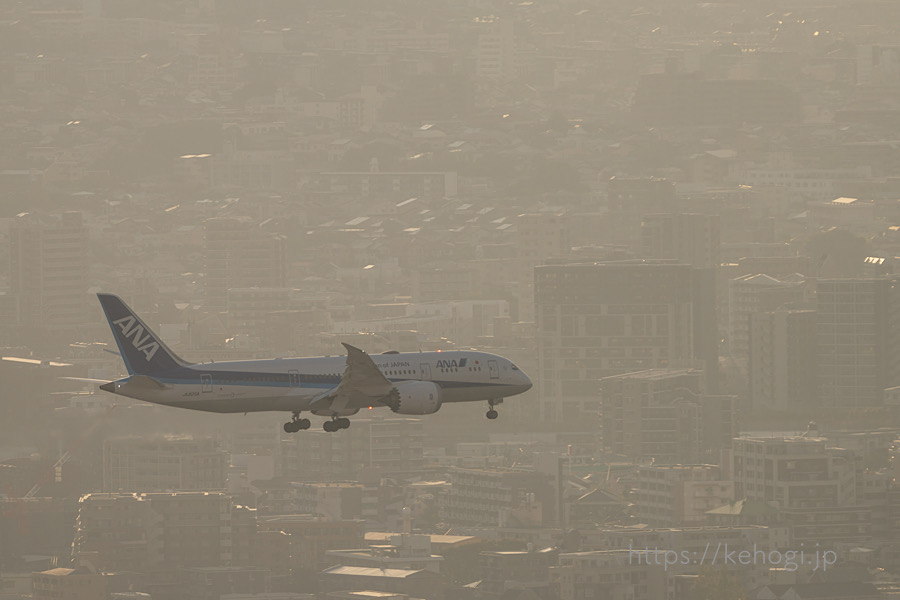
{"type": "Point", "coordinates": [142, 350]}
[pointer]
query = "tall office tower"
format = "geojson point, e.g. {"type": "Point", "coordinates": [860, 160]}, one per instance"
{"type": "Point", "coordinates": [857, 327]}
{"type": "Point", "coordinates": [240, 255]}
{"type": "Point", "coordinates": [539, 236]}
{"type": "Point", "coordinates": [602, 319]}
{"type": "Point", "coordinates": [691, 238]}
{"type": "Point", "coordinates": [782, 365]}
{"type": "Point", "coordinates": [749, 294]}
{"type": "Point", "coordinates": [47, 258]}
{"type": "Point", "coordinates": [654, 415]}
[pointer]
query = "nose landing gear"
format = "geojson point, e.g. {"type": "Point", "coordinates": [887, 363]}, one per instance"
{"type": "Point", "coordinates": [491, 413]}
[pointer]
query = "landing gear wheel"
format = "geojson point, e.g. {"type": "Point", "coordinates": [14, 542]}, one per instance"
{"type": "Point", "coordinates": [330, 426]}
{"type": "Point", "coordinates": [296, 424]}
{"type": "Point", "coordinates": [491, 413]}
{"type": "Point", "coordinates": [342, 423]}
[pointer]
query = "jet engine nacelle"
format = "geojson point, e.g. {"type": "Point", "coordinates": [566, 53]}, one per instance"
{"type": "Point", "coordinates": [416, 398]}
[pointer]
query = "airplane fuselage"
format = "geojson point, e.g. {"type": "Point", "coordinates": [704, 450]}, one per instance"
{"type": "Point", "coordinates": [292, 384]}
{"type": "Point", "coordinates": [411, 383]}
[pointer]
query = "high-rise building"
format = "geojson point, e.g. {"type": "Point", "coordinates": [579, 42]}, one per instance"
{"type": "Point", "coordinates": [602, 319]}
{"type": "Point", "coordinates": [857, 329]}
{"type": "Point", "coordinates": [749, 294]}
{"type": "Point", "coordinates": [47, 258]}
{"type": "Point", "coordinates": [240, 255]}
{"type": "Point", "coordinates": [782, 367]}
{"type": "Point", "coordinates": [539, 236]}
{"type": "Point", "coordinates": [495, 49]}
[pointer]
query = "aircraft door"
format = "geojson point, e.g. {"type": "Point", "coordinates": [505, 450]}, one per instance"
{"type": "Point", "coordinates": [425, 371]}
{"type": "Point", "coordinates": [493, 369]}
{"type": "Point", "coordinates": [206, 383]}
{"type": "Point", "coordinates": [294, 376]}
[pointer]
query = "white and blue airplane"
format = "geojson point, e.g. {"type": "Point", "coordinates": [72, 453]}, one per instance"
{"type": "Point", "coordinates": [409, 383]}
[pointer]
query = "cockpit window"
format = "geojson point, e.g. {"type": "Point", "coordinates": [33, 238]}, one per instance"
{"type": "Point", "coordinates": [513, 367]}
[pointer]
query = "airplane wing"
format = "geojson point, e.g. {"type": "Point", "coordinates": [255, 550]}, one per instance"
{"type": "Point", "coordinates": [85, 379]}
{"type": "Point", "coordinates": [362, 385]}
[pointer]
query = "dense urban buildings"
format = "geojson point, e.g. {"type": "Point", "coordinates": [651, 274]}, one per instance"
{"type": "Point", "coordinates": [681, 220]}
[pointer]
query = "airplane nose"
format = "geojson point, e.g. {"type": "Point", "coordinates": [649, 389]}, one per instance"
{"type": "Point", "coordinates": [525, 382]}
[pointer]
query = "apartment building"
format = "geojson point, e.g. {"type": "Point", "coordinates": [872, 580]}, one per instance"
{"type": "Point", "coordinates": [152, 532]}
{"type": "Point", "coordinates": [857, 327]}
{"type": "Point", "coordinates": [391, 444]}
{"type": "Point", "coordinates": [815, 487]}
{"type": "Point", "coordinates": [693, 239]}
{"type": "Point", "coordinates": [73, 584]}
{"type": "Point", "coordinates": [629, 199]}
{"type": "Point", "coordinates": [750, 294]}
{"type": "Point", "coordinates": [329, 500]}
{"type": "Point", "coordinates": [782, 352]}
{"type": "Point", "coordinates": [653, 415]}
{"type": "Point", "coordinates": [214, 582]}
{"type": "Point", "coordinates": [504, 571]}
{"type": "Point", "coordinates": [794, 472]}
{"type": "Point", "coordinates": [495, 498]}
{"type": "Point", "coordinates": [170, 463]}
{"type": "Point", "coordinates": [238, 253]}
{"type": "Point", "coordinates": [310, 538]}
{"type": "Point", "coordinates": [404, 551]}
{"type": "Point", "coordinates": [47, 261]}
{"type": "Point", "coordinates": [538, 236]}
{"type": "Point", "coordinates": [607, 574]}
{"type": "Point", "coordinates": [680, 494]}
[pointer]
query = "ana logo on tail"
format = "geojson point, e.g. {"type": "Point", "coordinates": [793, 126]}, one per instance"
{"type": "Point", "coordinates": [134, 330]}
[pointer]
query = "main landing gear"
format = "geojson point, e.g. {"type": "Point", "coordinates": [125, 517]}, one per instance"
{"type": "Point", "coordinates": [296, 424]}
{"type": "Point", "coordinates": [491, 413]}
{"type": "Point", "coordinates": [336, 423]}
